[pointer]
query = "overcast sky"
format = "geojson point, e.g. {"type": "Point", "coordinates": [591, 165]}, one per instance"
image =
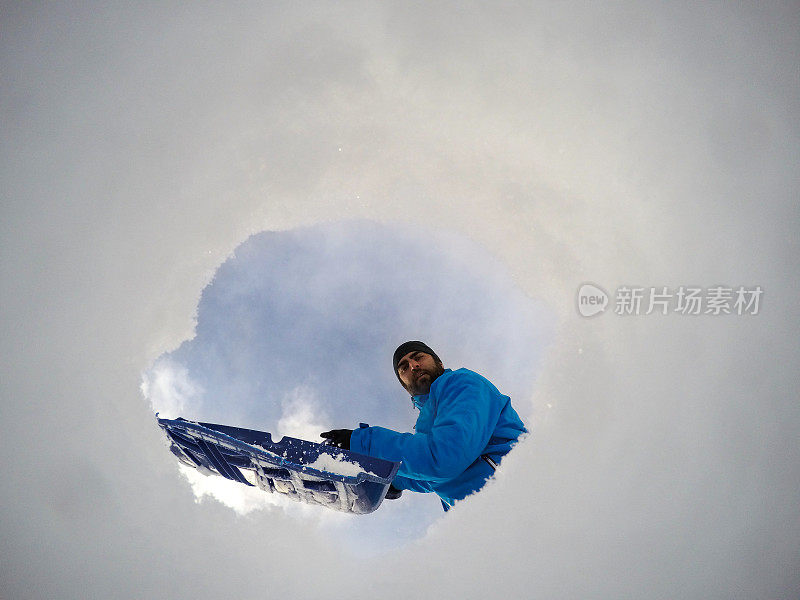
{"type": "Point", "coordinates": [453, 171]}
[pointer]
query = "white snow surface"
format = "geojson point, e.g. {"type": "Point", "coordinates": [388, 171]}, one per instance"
{"type": "Point", "coordinates": [617, 144]}
{"type": "Point", "coordinates": [336, 464]}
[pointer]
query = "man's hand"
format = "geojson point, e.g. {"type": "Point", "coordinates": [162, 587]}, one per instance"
{"type": "Point", "coordinates": [337, 437]}
{"type": "Point", "coordinates": [393, 493]}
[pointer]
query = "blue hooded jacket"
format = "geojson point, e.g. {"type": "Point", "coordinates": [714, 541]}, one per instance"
{"type": "Point", "coordinates": [462, 418]}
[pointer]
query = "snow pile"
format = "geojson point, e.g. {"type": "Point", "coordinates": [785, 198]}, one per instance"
{"type": "Point", "coordinates": [336, 464]}
{"type": "Point", "coordinates": [241, 498]}
{"type": "Point", "coordinates": [170, 388]}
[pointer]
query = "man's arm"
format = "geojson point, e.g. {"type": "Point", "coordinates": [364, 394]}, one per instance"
{"type": "Point", "coordinates": [413, 485]}
{"type": "Point", "coordinates": [467, 413]}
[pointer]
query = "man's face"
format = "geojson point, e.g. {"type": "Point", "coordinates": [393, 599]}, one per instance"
{"type": "Point", "coordinates": [417, 371]}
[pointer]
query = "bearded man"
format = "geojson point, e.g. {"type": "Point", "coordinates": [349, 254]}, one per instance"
{"type": "Point", "coordinates": [464, 428]}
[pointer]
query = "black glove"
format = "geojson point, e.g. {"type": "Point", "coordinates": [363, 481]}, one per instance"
{"type": "Point", "coordinates": [337, 437]}
{"type": "Point", "coordinates": [393, 493]}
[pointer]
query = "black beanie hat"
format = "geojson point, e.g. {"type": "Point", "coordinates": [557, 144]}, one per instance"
{"type": "Point", "coordinates": [412, 346]}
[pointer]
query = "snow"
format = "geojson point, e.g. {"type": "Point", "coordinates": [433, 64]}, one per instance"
{"type": "Point", "coordinates": [625, 144]}
{"type": "Point", "coordinates": [336, 464]}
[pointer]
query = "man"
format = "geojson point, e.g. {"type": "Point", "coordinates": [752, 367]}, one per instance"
{"type": "Point", "coordinates": [465, 426]}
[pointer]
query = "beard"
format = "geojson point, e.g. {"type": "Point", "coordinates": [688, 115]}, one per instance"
{"type": "Point", "coordinates": [422, 380]}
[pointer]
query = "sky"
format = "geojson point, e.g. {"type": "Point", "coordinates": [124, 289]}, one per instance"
{"type": "Point", "coordinates": [367, 173]}
{"type": "Point", "coordinates": [295, 334]}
